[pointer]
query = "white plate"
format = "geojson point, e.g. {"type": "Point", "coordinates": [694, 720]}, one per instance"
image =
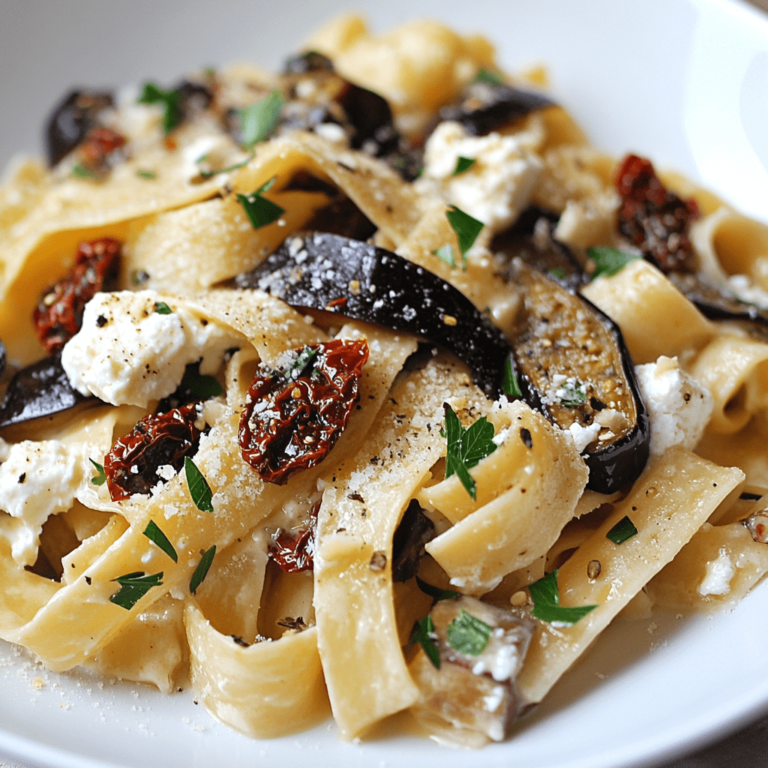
{"type": "Point", "coordinates": [682, 81]}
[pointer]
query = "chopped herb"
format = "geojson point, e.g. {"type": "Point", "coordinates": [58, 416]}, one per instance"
{"type": "Point", "coordinates": [488, 76]}
{"type": "Point", "coordinates": [79, 171]}
{"type": "Point", "coordinates": [101, 477]}
{"type": "Point", "coordinates": [463, 164]}
{"type": "Point", "coordinates": [162, 308]}
{"type": "Point", "coordinates": [509, 384]}
{"type": "Point", "coordinates": [142, 174]}
{"type": "Point", "coordinates": [303, 361]}
{"type": "Point", "coordinates": [259, 121]}
{"type": "Point", "coordinates": [572, 394]}
{"type": "Point", "coordinates": [201, 386]}
{"type": "Point", "coordinates": [209, 174]}
{"type": "Point", "coordinates": [168, 100]}
{"type": "Point", "coordinates": [202, 570]}
{"type": "Point", "coordinates": [546, 604]}
{"type": "Point", "coordinates": [608, 261]}
{"type": "Point", "coordinates": [446, 254]}
{"type": "Point", "coordinates": [259, 210]}
{"type": "Point", "coordinates": [139, 276]}
{"type": "Point", "coordinates": [466, 228]}
{"type": "Point", "coordinates": [623, 530]}
{"type": "Point", "coordinates": [436, 592]}
{"type": "Point", "coordinates": [558, 272]}
{"type": "Point", "coordinates": [133, 586]}
{"type": "Point", "coordinates": [466, 447]}
{"type": "Point", "coordinates": [468, 634]}
{"type": "Point", "coordinates": [154, 534]}
{"type": "Point", "coordinates": [422, 633]}
{"type": "Point", "coordinates": [199, 489]}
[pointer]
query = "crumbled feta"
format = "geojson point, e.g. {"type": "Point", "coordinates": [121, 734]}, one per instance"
{"type": "Point", "coordinates": [678, 406]}
{"type": "Point", "coordinates": [583, 436]}
{"type": "Point", "coordinates": [497, 186]}
{"type": "Point", "coordinates": [37, 480]}
{"type": "Point", "coordinates": [127, 353]}
{"type": "Point", "coordinates": [718, 577]}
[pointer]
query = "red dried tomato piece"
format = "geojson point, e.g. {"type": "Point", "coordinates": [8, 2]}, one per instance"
{"type": "Point", "coordinates": [293, 418]}
{"type": "Point", "coordinates": [654, 219]}
{"type": "Point", "coordinates": [132, 463]}
{"type": "Point", "coordinates": [295, 552]}
{"type": "Point", "coordinates": [95, 151]}
{"type": "Point", "coordinates": [59, 312]}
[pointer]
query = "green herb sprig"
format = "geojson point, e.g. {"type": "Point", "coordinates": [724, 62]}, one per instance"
{"type": "Point", "coordinates": [463, 164]}
{"type": "Point", "coordinates": [133, 586]}
{"type": "Point", "coordinates": [468, 634]}
{"type": "Point", "coordinates": [422, 635]}
{"type": "Point", "coordinates": [258, 121]}
{"type": "Point", "coordinates": [466, 447]}
{"type": "Point", "coordinates": [155, 535]}
{"type": "Point", "coordinates": [198, 486]}
{"type": "Point", "coordinates": [623, 530]}
{"type": "Point", "coordinates": [202, 569]}
{"type": "Point", "coordinates": [170, 101]}
{"type": "Point", "coordinates": [101, 477]}
{"type": "Point", "coordinates": [609, 261]}
{"type": "Point", "coordinates": [509, 383]}
{"type": "Point", "coordinates": [546, 603]}
{"type": "Point", "coordinates": [258, 209]}
{"type": "Point", "coordinates": [436, 592]}
{"type": "Point", "coordinates": [466, 228]}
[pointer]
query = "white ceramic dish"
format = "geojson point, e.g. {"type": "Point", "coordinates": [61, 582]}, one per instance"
{"type": "Point", "coordinates": [682, 81]}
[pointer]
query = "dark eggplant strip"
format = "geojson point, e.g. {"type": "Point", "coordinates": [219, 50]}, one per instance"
{"type": "Point", "coordinates": [545, 344]}
{"type": "Point", "coordinates": [486, 107]}
{"type": "Point", "coordinates": [39, 390]}
{"type": "Point", "coordinates": [716, 303]}
{"type": "Point", "coordinates": [358, 280]}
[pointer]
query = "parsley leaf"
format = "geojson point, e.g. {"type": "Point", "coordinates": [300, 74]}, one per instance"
{"type": "Point", "coordinates": [421, 634]}
{"type": "Point", "coordinates": [259, 210]}
{"type": "Point", "coordinates": [468, 634]}
{"type": "Point", "coordinates": [168, 100]}
{"type": "Point", "coordinates": [142, 174]}
{"type": "Point", "coordinates": [572, 394]}
{"type": "Point", "coordinates": [154, 534]}
{"type": "Point", "coordinates": [546, 603]}
{"type": "Point", "coordinates": [608, 261]}
{"type": "Point", "coordinates": [466, 228]}
{"type": "Point", "coordinates": [133, 586]}
{"type": "Point", "coordinates": [463, 164]}
{"type": "Point", "coordinates": [302, 363]}
{"type": "Point", "coordinates": [199, 489]}
{"type": "Point", "coordinates": [209, 174]}
{"type": "Point", "coordinates": [466, 447]}
{"type": "Point", "coordinates": [200, 385]}
{"type": "Point", "coordinates": [259, 120]}
{"type": "Point", "coordinates": [101, 477]}
{"type": "Point", "coordinates": [436, 592]}
{"type": "Point", "coordinates": [202, 570]}
{"type": "Point", "coordinates": [488, 76]}
{"type": "Point", "coordinates": [558, 272]}
{"type": "Point", "coordinates": [509, 384]}
{"type": "Point", "coordinates": [162, 308]}
{"type": "Point", "coordinates": [623, 530]}
{"type": "Point", "coordinates": [446, 254]}
{"type": "Point", "coordinates": [79, 171]}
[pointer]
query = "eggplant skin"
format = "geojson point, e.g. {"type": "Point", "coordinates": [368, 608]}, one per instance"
{"type": "Point", "coordinates": [71, 119]}
{"type": "Point", "coordinates": [555, 325]}
{"type": "Point", "coordinates": [40, 390]}
{"type": "Point", "coordinates": [321, 271]}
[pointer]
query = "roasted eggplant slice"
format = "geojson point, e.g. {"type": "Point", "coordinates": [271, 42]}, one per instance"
{"type": "Point", "coordinates": [531, 238]}
{"type": "Point", "coordinates": [413, 532]}
{"type": "Point", "coordinates": [321, 271]}
{"type": "Point", "coordinates": [573, 366]}
{"type": "Point", "coordinates": [40, 390]}
{"type": "Point", "coordinates": [487, 107]}
{"type": "Point", "coordinates": [468, 687]}
{"type": "Point", "coordinates": [72, 118]}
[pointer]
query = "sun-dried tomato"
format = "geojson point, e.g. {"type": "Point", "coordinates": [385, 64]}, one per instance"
{"type": "Point", "coordinates": [95, 151]}
{"type": "Point", "coordinates": [292, 418]}
{"type": "Point", "coordinates": [295, 552]}
{"type": "Point", "coordinates": [59, 312]}
{"type": "Point", "coordinates": [157, 440]}
{"type": "Point", "coordinates": [654, 219]}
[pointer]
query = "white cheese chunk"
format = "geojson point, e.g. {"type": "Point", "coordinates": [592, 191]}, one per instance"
{"type": "Point", "coordinates": [678, 406]}
{"type": "Point", "coordinates": [37, 480]}
{"type": "Point", "coordinates": [718, 577]}
{"type": "Point", "coordinates": [497, 186]}
{"type": "Point", "coordinates": [127, 353]}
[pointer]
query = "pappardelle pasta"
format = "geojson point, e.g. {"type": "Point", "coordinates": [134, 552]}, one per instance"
{"type": "Point", "coordinates": [365, 387]}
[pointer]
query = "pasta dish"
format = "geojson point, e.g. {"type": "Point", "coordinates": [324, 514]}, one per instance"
{"type": "Point", "coordinates": [367, 387]}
